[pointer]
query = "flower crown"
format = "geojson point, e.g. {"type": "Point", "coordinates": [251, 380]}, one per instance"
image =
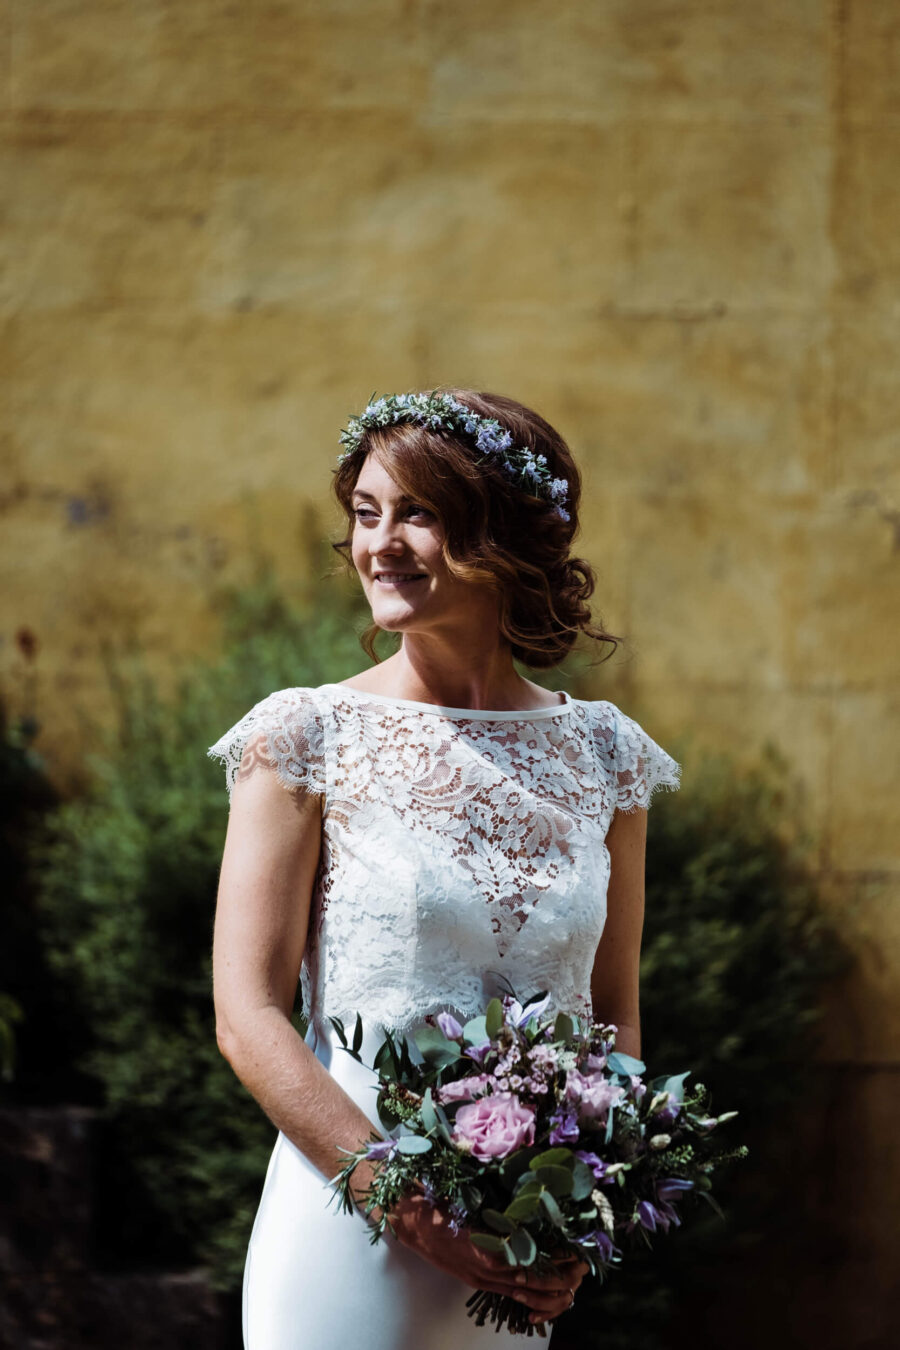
{"type": "Point", "coordinates": [444, 412]}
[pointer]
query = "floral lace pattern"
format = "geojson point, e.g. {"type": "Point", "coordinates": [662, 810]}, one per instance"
{"type": "Point", "coordinates": [458, 847]}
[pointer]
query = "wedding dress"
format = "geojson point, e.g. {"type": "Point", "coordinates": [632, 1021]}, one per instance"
{"type": "Point", "coordinates": [460, 849]}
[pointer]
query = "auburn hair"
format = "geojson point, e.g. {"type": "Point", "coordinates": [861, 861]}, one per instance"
{"type": "Point", "coordinates": [495, 532]}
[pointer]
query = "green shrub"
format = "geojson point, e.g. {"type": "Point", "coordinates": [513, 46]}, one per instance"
{"type": "Point", "coordinates": [127, 878]}
{"type": "Point", "coordinates": [736, 951]}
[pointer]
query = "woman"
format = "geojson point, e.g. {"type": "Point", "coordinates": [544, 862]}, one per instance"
{"type": "Point", "coordinates": [411, 838]}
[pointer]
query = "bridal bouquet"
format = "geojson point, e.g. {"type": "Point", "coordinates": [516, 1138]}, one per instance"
{"type": "Point", "coordinates": [538, 1136]}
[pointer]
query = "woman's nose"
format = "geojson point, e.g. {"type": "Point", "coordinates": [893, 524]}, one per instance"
{"type": "Point", "coordinates": [385, 537]}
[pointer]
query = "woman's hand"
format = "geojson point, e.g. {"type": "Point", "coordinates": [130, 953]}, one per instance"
{"type": "Point", "coordinates": [424, 1227]}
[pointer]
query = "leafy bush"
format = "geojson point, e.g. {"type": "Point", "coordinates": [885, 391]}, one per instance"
{"type": "Point", "coordinates": [735, 954]}
{"type": "Point", "coordinates": [735, 951]}
{"type": "Point", "coordinates": [127, 878]}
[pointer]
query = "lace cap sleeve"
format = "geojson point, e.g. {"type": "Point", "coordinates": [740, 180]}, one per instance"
{"type": "Point", "coordinates": [640, 766]}
{"type": "Point", "coordinates": [282, 732]}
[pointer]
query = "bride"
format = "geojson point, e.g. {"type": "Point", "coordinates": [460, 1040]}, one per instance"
{"type": "Point", "coordinates": [411, 839]}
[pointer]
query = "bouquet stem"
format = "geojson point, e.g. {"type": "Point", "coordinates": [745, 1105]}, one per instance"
{"type": "Point", "coordinates": [500, 1309]}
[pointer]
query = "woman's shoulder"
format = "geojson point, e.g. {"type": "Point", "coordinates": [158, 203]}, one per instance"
{"type": "Point", "coordinates": [636, 764]}
{"type": "Point", "coordinates": [283, 730]}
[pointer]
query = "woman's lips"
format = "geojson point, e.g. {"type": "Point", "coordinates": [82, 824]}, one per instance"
{"type": "Point", "coordinates": [394, 580]}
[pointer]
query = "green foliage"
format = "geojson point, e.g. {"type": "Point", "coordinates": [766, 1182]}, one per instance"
{"type": "Point", "coordinates": [127, 877]}
{"type": "Point", "coordinates": [10, 1013]}
{"type": "Point", "coordinates": [736, 951]}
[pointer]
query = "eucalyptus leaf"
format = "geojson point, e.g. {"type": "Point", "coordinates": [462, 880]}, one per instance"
{"type": "Point", "coordinates": [475, 1031]}
{"type": "Point", "coordinates": [501, 1223]}
{"type": "Point", "coordinates": [552, 1209]}
{"type": "Point", "coordinates": [582, 1180]}
{"type": "Point", "coordinates": [558, 1180]}
{"type": "Point", "coordinates": [493, 1018]}
{"type": "Point", "coordinates": [553, 1157]}
{"type": "Point", "coordinates": [428, 1113]}
{"type": "Point", "coordinates": [528, 1181]}
{"type": "Point", "coordinates": [563, 1027]}
{"type": "Point", "coordinates": [435, 1048]}
{"type": "Point", "coordinates": [487, 1242]}
{"type": "Point", "coordinates": [413, 1143]}
{"type": "Point", "coordinates": [624, 1064]}
{"type": "Point", "coordinates": [524, 1206]}
{"type": "Point", "coordinates": [524, 1246]}
{"type": "Point", "coordinates": [675, 1085]}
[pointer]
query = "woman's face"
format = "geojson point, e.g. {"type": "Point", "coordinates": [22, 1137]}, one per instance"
{"type": "Point", "coordinates": [396, 549]}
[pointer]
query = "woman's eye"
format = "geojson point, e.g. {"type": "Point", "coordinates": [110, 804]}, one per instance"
{"type": "Point", "coordinates": [364, 512]}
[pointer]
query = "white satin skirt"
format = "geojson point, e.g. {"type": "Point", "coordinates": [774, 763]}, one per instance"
{"type": "Point", "coordinates": [313, 1280]}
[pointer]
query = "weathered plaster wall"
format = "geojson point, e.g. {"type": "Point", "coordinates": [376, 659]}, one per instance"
{"type": "Point", "coordinates": [671, 227]}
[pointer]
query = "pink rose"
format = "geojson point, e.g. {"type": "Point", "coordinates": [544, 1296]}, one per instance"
{"type": "Point", "coordinates": [494, 1126]}
{"type": "Point", "coordinates": [464, 1089]}
{"type": "Point", "coordinates": [592, 1095]}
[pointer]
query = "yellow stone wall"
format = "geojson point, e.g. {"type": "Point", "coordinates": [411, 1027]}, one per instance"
{"type": "Point", "coordinates": [672, 227]}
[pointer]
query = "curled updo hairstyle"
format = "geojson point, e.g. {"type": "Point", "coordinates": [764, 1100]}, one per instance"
{"type": "Point", "coordinates": [495, 532]}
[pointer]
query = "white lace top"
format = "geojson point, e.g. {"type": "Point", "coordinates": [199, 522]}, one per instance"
{"type": "Point", "coordinates": [457, 846]}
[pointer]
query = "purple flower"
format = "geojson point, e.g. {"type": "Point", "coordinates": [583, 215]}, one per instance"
{"type": "Point", "coordinates": [464, 1089]}
{"type": "Point", "coordinates": [517, 1016]}
{"type": "Point", "coordinates": [380, 1148]}
{"type": "Point", "coordinates": [493, 1127]}
{"type": "Point", "coordinates": [597, 1165]}
{"type": "Point", "coordinates": [671, 1187]}
{"type": "Point", "coordinates": [591, 1095]}
{"type": "Point", "coordinates": [606, 1249]}
{"type": "Point", "coordinates": [668, 1113]}
{"type": "Point", "coordinates": [457, 1216]}
{"type": "Point", "coordinates": [478, 1052]}
{"type": "Point", "coordinates": [449, 1026]}
{"type": "Point", "coordinates": [647, 1215]}
{"type": "Point", "coordinates": [564, 1126]}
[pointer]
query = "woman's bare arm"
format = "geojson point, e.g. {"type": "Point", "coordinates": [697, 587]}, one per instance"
{"type": "Point", "coordinates": [269, 863]}
{"type": "Point", "coordinates": [615, 979]}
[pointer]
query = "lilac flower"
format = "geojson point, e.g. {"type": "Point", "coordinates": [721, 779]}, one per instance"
{"type": "Point", "coordinates": [478, 1052]}
{"type": "Point", "coordinates": [457, 1216]}
{"type": "Point", "coordinates": [381, 1148]}
{"type": "Point", "coordinates": [647, 1214]}
{"type": "Point", "coordinates": [591, 1160]}
{"type": "Point", "coordinates": [669, 1112]}
{"type": "Point", "coordinates": [592, 1095]}
{"type": "Point", "coordinates": [449, 1026]}
{"type": "Point", "coordinates": [544, 1055]}
{"type": "Point", "coordinates": [667, 1215]}
{"type": "Point", "coordinates": [606, 1249]}
{"type": "Point", "coordinates": [671, 1187]}
{"type": "Point", "coordinates": [518, 1017]}
{"type": "Point", "coordinates": [564, 1126]}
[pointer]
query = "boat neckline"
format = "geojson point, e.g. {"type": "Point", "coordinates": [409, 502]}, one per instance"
{"type": "Point", "coordinates": [475, 714]}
